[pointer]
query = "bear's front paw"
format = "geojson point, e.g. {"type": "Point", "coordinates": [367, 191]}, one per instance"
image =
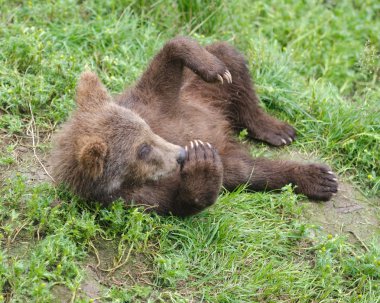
{"type": "Point", "coordinates": [201, 174]}
{"type": "Point", "coordinates": [202, 158]}
{"type": "Point", "coordinates": [316, 181]}
{"type": "Point", "coordinates": [211, 69]}
{"type": "Point", "coordinates": [226, 75]}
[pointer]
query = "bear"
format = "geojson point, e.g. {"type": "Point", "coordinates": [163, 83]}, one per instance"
{"type": "Point", "coordinates": [169, 142]}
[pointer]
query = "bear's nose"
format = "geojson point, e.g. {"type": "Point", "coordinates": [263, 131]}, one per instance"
{"type": "Point", "coordinates": [181, 156]}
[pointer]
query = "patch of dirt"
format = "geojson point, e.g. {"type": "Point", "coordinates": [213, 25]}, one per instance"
{"type": "Point", "coordinates": [25, 161]}
{"type": "Point", "coordinates": [128, 269]}
{"type": "Point", "coordinates": [61, 293]}
{"type": "Point", "coordinates": [104, 268]}
{"type": "Point", "coordinates": [90, 288]}
{"type": "Point", "coordinates": [348, 213]}
{"type": "Point", "coordinates": [29, 167]}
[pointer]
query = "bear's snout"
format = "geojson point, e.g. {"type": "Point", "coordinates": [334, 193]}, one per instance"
{"type": "Point", "coordinates": [181, 156]}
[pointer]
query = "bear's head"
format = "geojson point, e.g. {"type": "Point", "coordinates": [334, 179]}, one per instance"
{"type": "Point", "coordinates": [105, 148]}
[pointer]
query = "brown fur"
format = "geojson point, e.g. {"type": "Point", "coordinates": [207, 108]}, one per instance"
{"type": "Point", "coordinates": [91, 156]}
{"type": "Point", "coordinates": [134, 146]}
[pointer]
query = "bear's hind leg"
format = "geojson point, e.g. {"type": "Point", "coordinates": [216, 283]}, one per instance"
{"type": "Point", "coordinates": [242, 104]}
{"type": "Point", "coordinates": [315, 181]}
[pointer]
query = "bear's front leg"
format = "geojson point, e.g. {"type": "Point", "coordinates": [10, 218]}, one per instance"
{"type": "Point", "coordinates": [162, 80]}
{"type": "Point", "coordinates": [201, 179]}
{"type": "Point", "coordinates": [188, 191]}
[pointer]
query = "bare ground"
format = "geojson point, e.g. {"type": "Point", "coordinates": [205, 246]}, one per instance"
{"type": "Point", "coordinates": [348, 213]}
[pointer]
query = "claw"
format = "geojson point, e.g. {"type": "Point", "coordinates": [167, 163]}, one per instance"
{"type": "Point", "coordinates": [230, 76]}
{"type": "Point", "coordinates": [283, 141]}
{"type": "Point", "coordinates": [201, 142]}
{"type": "Point", "coordinates": [209, 145]}
{"type": "Point", "coordinates": [186, 148]}
{"type": "Point", "coordinates": [290, 139]}
{"type": "Point", "coordinates": [227, 76]}
{"type": "Point", "coordinates": [220, 78]}
{"type": "Point", "coordinates": [196, 143]}
{"type": "Point", "coordinates": [191, 144]}
{"type": "Point", "coordinates": [330, 172]}
{"type": "Point", "coordinates": [335, 179]}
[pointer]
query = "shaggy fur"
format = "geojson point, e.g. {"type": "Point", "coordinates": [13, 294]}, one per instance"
{"type": "Point", "coordinates": [168, 143]}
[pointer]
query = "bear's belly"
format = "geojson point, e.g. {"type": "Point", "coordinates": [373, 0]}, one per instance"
{"type": "Point", "coordinates": [188, 121]}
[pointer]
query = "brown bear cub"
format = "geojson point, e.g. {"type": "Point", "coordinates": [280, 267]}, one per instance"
{"type": "Point", "coordinates": [168, 142]}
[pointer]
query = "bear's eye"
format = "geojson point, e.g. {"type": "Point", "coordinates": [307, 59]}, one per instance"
{"type": "Point", "coordinates": [144, 151]}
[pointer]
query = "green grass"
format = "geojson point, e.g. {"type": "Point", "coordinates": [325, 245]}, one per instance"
{"type": "Point", "coordinates": [316, 64]}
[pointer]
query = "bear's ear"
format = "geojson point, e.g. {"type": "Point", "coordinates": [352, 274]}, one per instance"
{"type": "Point", "coordinates": [91, 156]}
{"type": "Point", "coordinates": [90, 91]}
